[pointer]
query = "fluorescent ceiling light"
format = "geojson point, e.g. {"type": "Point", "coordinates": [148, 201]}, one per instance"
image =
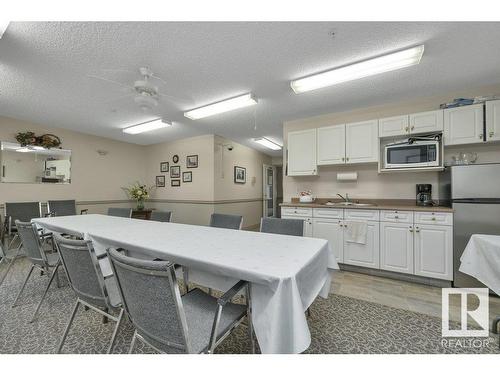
{"type": "Point", "coordinates": [268, 143]}
{"type": "Point", "coordinates": [3, 27]}
{"type": "Point", "coordinates": [147, 126]}
{"type": "Point", "coordinates": [220, 107]}
{"type": "Point", "coordinates": [382, 64]}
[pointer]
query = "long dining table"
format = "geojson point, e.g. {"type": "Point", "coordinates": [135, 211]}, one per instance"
{"type": "Point", "coordinates": [286, 273]}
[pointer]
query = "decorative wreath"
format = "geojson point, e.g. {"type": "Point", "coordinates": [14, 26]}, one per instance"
{"type": "Point", "coordinates": [45, 140]}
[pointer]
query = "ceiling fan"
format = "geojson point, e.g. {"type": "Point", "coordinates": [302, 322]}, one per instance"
{"type": "Point", "coordinates": [145, 91]}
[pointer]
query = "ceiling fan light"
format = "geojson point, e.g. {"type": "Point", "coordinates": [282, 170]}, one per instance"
{"type": "Point", "coordinates": [221, 107]}
{"type": "Point", "coordinates": [147, 126]}
{"type": "Point", "coordinates": [145, 102]}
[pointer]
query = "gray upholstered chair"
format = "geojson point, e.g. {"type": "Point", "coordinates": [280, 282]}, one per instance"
{"type": "Point", "coordinates": [48, 263]}
{"type": "Point", "coordinates": [290, 227]}
{"type": "Point", "coordinates": [226, 221]}
{"type": "Point", "coordinates": [193, 323]}
{"type": "Point", "coordinates": [63, 208]}
{"type": "Point", "coordinates": [164, 216]}
{"type": "Point", "coordinates": [120, 212]}
{"type": "Point", "coordinates": [86, 279]}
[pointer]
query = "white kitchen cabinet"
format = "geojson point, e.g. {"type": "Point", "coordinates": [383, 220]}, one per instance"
{"type": "Point", "coordinates": [463, 125]}
{"type": "Point", "coordinates": [364, 255]}
{"type": "Point", "coordinates": [302, 153]}
{"type": "Point", "coordinates": [433, 251]}
{"type": "Point", "coordinates": [396, 247]}
{"type": "Point", "coordinates": [308, 227]}
{"type": "Point", "coordinates": [333, 231]}
{"type": "Point", "coordinates": [361, 145]}
{"type": "Point", "coordinates": [331, 145]}
{"type": "Point", "coordinates": [393, 126]}
{"type": "Point", "coordinates": [426, 122]}
{"type": "Point", "coordinates": [493, 120]}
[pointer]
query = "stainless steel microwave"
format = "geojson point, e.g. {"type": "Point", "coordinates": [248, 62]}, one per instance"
{"type": "Point", "coordinates": [417, 154]}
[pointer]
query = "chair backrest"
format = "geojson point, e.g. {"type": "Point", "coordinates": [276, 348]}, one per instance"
{"type": "Point", "coordinates": [83, 271]}
{"type": "Point", "coordinates": [152, 300]}
{"type": "Point", "coordinates": [226, 221]}
{"type": "Point", "coordinates": [291, 227]}
{"type": "Point", "coordinates": [62, 207]}
{"type": "Point", "coordinates": [120, 212]}
{"type": "Point", "coordinates": [22, 211]}
{"type": "Point", "coordinates": [31, 242]}
{"type": "Point", "coordinates": [164, 216]}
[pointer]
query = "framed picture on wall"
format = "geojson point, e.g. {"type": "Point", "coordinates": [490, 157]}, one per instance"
{"type": "Point", "coordinates": [160, 181]}
{"type": "Point", "coordinates": [240, 175]}
{"type": "Point", "coordinates": [175, 171]}
{"type": "Point", "coordinates": [192, 161]}
{"type": "Point", "coordinates": [164, 167]}
{"type": "Point", "coordinates": [175, 183]}
{"type": "Point", "coordinates": [187, 176]}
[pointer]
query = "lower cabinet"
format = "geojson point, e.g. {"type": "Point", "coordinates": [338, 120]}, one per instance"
{"type": "Point", "coordinates": [434, 251]}
{"type": "Point", "coordinates": [364, 255]}
{"type": "Point", "coordinates": [396, 247]}
{"type": "Point", "coordinates": [308, 227]}
{"type": "Point", "coordinates": [333, 231]}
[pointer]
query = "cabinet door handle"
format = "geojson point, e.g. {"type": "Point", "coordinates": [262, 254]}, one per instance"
{"type": "Point", "coordinates": [480, 136]}
{"type": "Point", "coordinates": [343, 159]}
{"type": "Point", "coordinates": [433, 218]}
{"type": "Point", "coordinates": [417, 229]}
{"type": "Point", "coordinates": [347, 159]}
{"type": "Point", "coordinates": [411, 229]}
{"type": "Point", "coordinates": [413, 128]}
{"type": "Point", "coordinates": [491, 134]}
{"type": "Point", "coordinates": [407, 129]}
{"type": "Point", "coordinates": [396, 217]}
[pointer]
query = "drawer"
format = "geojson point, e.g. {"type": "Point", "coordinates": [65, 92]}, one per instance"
{"type": "Point", "coordinates": [396, 216]}
{"type": "Point", "coordinates": [296, 211]}
{"type": "Point", "coordinates": [329, 213]}
{"type": "Point", "coordinates": [358, 214]}
{"type": "Point", "coordinates": [438, 218]}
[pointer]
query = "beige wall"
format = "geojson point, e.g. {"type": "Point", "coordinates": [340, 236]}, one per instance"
{"type": "Point", "coordinates": [96, 180]}
{"type": "Point", "coordinates": [370, 184]}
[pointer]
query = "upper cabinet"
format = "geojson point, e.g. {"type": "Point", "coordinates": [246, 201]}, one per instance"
{"type": "Point", "coordinates": [463, 125]}
{"type": "Point", "coordinates": [416, 123]}
{"type": "Point", "coordinates": [302, 153]}
{"type": "Point", "coordinates": [426, 122]}
{"type": "Point", "coordinates": [331, 145]}
{"type": "Point", "coordinates": [393, 126]}
{"type": "Point", "coordinates": [361, 142]}
{"type": "Point", "coordinates": [493, 120]}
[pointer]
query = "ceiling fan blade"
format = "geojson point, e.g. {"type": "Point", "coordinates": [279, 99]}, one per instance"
{"type": "Point", "coordinates": [110, 81]}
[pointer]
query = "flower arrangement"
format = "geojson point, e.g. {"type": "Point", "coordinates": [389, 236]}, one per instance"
{"type": "Point", "coordinates": [139, 193]}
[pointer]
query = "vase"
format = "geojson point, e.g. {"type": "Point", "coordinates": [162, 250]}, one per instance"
{"type": "Point", "coordinates": [140, 204]}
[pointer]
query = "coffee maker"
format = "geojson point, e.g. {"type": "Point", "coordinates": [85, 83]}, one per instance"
{"type": "Point", "coordinates": [424, 195]}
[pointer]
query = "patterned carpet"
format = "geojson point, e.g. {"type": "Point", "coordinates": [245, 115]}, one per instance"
{"type": "Point", "coordinates": [338, 325]}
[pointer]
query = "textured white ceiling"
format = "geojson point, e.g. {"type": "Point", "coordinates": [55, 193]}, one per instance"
{"type": "Point", "coordinates": [44, 68]}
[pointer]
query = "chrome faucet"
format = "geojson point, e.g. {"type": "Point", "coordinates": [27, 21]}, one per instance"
{"type": "Point", "coordinates": [346, 198]}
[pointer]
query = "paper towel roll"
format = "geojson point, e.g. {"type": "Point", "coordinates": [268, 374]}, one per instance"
{"type": "Point", "coordinates": [348, 176]}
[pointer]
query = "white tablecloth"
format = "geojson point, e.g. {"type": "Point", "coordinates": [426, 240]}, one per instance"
{"type": "Point", "coordinates": [481, 259]}
{"type": "Point", "coordinates": [286, 273]}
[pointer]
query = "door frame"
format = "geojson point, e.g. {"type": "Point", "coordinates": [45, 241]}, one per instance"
{"type": "Point", "coordinates": [265, 167]}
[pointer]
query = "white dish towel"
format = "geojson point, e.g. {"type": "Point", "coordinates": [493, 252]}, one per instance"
{"type": "Point", "coordinates": [356, 231]}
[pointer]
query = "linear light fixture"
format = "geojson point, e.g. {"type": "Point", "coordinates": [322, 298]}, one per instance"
{"type": "Point", "coordinates": [147, 126]}
{"type": "Point", "coordinates": [268, 143]}
{"type": "Point", "coordinates": [377, 65]}
{"type": "Point", "coordinates": [220, 107]}
{"type": "Point", "coordinates": [3, 27]}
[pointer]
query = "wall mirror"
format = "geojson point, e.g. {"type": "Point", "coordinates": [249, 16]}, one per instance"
{"type": "Point", "coordinates": [34, 164]}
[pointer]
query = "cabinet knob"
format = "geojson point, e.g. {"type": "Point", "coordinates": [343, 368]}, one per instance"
{"type": "Point", "coordinates": [417, 229]}
{"type": "Point", "coordinates": [411, 229]}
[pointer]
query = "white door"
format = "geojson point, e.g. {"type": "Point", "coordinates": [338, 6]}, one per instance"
{"type": "Point", "coordinates": [463, 125]}
{"type": "Point", "coordinates": [331, 230]}
{"type": "Point", "coordinates": [362, 142]}
{"type": "Point", "coordinates": [423, 122]}
{"type": "Point", "coordinates": [302, 153]}
{"type": "Point", "coordinates": [269, 193]}
{"type": "Point", "coordinates": [396, 247]}
{"type": "Point", "coordinates": [493, 120]}
{"type": "Point", "coordinates": [434, 251]}
{"type": "Point", "coordinates": [393, 126]}
{"type": "Point", "coordinates": [308, 227]}
{"type": "Point", "coordinates": [331, 145]}
{"type": "Point", "coordinates": [364, 255]}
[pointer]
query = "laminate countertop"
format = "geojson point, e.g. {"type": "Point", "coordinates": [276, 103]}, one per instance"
{"type": "Point", "coordinates": [376, 204]}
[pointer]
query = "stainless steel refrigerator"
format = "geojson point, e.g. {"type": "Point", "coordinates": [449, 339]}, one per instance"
{"type": "Point", "coordinates": [474, 193]}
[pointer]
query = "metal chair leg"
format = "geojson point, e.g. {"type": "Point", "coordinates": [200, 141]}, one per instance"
{"type": "Point", "coordinates": [75, 309]}
{"type": "Point", "coordinates": [54, 273]}
{"type": "Point", "coordinates": [10, 265]}
{"type": "Point", "coordinates": [132, 344]}
{"type": "Point", "coordinates": [250, 324]}
{"type": "Point", "coordinates": [105, 319]}
{"type": "Point", "coordinates": [185, 278]}
{"type": "Point", "coordinates": [113, 338]}
{"type": "Point", "coordinates": [24, 284]}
